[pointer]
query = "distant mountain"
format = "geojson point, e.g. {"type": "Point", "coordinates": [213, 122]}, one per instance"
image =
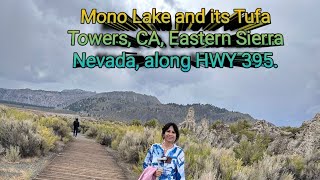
{"type": "Point", "coordinates": [44, 98]}
{"type": "Point", "coordinates": [117, 105]}
{"type": "Point", "coordinates": [129, 105]}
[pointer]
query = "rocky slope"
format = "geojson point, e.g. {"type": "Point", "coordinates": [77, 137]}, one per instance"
{"type": "Point", "coordinates": [304, 142]}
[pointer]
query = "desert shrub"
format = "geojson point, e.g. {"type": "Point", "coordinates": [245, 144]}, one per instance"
{"type": "Point", "coordinates": [250, 152]}
{"type": "Point", "coordinates": [211, 173]}
{"type": "Point", "coordinates": [136, 122]}
{"type": "Point", "coordinates": [134, 144]}
{"type": "Point", "coordinates": [195, 155]}
{"type": "Point", "coordinates": [311, 168]}
{"type": "Point", "coordinates": [92, 132]}
{"type": "Point", "coordinates": [118, 132]}
{"type": "Point", "coordinates": [33, 134]}
{"type": "Point", "coordinates": [293, 130]}
{"type": "Point", "coordinates": [271, 167]}
{"type": "Point", "coordinates": [130, 146]}
{"type": "Point", "coordinates": [249, 134]}
{"type": "Point", "coordinates": [150, 136]}
{"type": "Point", "coordinates": [84, 127]}
{"type": "Point", "coordinates": [107, 133]}
{"type": "Point", "coordinates": [184, 131]}
{"type": "Point", "coordinates": [216, 163]}
{"type": "Point", "coordinates": [244, 151]}
{"type": "Point", "coordinates": [12, 154]}
{"type": "Point", "coordinates": [11, 113]}
{"type": "Point", "coordinates": [48, 139]}
{"type": "Point", "coordinates": [59, 126]}
{"type": "Point", "coordinates": [153, 135]}
{"type": "Point", "coordinates": [22, 134]}
{"type": "Point", "coordinates": [229, 165]}
{"type": "Point", "coordinates": [153, 123]}
{"type": "Point", "coordinates": [116, 141]}
{"type": "Point", "coordinates": [243, 174]}
{"type": "Point", "coordinates": [215, 124]}
{"type": "Point", "coordinates": [241, 128]}
{"type": "Point", "coordinates": [104, 139]}
{"type": "Point", "coordinates": [296, 164]}
{"type": "Point", "coordinates": [226, 162]}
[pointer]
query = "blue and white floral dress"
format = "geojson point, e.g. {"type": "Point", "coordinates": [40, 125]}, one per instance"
{"type": "Point", "coordinates": [171, 170]}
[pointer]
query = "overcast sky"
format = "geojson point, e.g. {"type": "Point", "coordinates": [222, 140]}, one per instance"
{"type": "Point", "coordinates": [36, 53]}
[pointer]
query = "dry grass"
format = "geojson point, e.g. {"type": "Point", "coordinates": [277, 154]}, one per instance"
{"type": "Point", "coordinates": [15, 174]}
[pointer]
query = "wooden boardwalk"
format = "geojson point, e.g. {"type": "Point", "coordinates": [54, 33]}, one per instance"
{"type": "Point", "coordinates": [82, 159]}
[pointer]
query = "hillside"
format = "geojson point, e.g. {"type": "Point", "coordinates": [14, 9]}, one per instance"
{"type": "Point", "coordinates": [43, 98]}
{"type": "Point", "coordinates": [129, 105]}
{"type": "Point", "coordinates": [124, 106]}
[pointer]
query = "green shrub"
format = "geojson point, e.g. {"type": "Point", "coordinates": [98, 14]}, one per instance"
{"type": "Point", "coordinates": [293, 130]}
{"type": "Point", "coordinates": [250, 152]}
{"type": "Point", "coordinates": [59, 126]}
{"type": "Point", "coordinates": [195, 155]}
{"type": "Point", "coordinates": [185, 131]}
{"type": "Point", "coordinates": [84, 127]}
{"type": "Point", "coordinates": [48, 138]}
{"type": "Point", "coordinates": [92, 132]}
{"type": "Point", "coordinates": [241, 128]}
{"type": "Point", "coordinates": [116, 141]}
{"type": "Point", "coordinates": [228, 164]}
{"type": "Point", "coordinates": [153, 123]}
{"type": "Point", "coordinates": [12, 113]}
{"type": "Point", "coordinates": [215, 124]}
{"type": "Point", "coordinates": [104, 139]}
{"type": "Point", "coordinates": [136, 122]}
{"type": "Point", "coordinates": [244, 152]}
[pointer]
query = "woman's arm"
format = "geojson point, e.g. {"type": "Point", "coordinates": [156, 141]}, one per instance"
{"type": "Point", "coordinates": [148, 159]}
{"type": "Point", "coordinates": [180, 166]}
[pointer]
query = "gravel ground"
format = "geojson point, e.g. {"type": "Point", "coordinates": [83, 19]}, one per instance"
{"type": "Point", "coordinates": [24, 169]}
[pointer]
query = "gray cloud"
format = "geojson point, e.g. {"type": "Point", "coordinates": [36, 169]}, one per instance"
{"type": "Point", "coordinates": [37, 54]}
{"type": "Point", "coordinates": [171, 2]}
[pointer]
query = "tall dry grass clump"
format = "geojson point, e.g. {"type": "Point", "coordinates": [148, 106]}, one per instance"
{"type": "Point", "coordinates": [13, 154]}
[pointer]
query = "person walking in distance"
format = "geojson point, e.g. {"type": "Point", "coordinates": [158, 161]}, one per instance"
{"type": "Point", "coordinates": [76, 125]}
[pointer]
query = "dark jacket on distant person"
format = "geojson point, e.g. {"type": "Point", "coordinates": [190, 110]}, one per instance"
{"type": "Point", "coordinates": [76, 124]}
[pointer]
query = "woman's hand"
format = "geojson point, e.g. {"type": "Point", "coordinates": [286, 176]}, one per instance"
{"type": "Point", "coordinates": [158, 173]}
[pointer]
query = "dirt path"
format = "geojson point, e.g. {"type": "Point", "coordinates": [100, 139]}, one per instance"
{"type": "Point", "coordinates": [83, 159]}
